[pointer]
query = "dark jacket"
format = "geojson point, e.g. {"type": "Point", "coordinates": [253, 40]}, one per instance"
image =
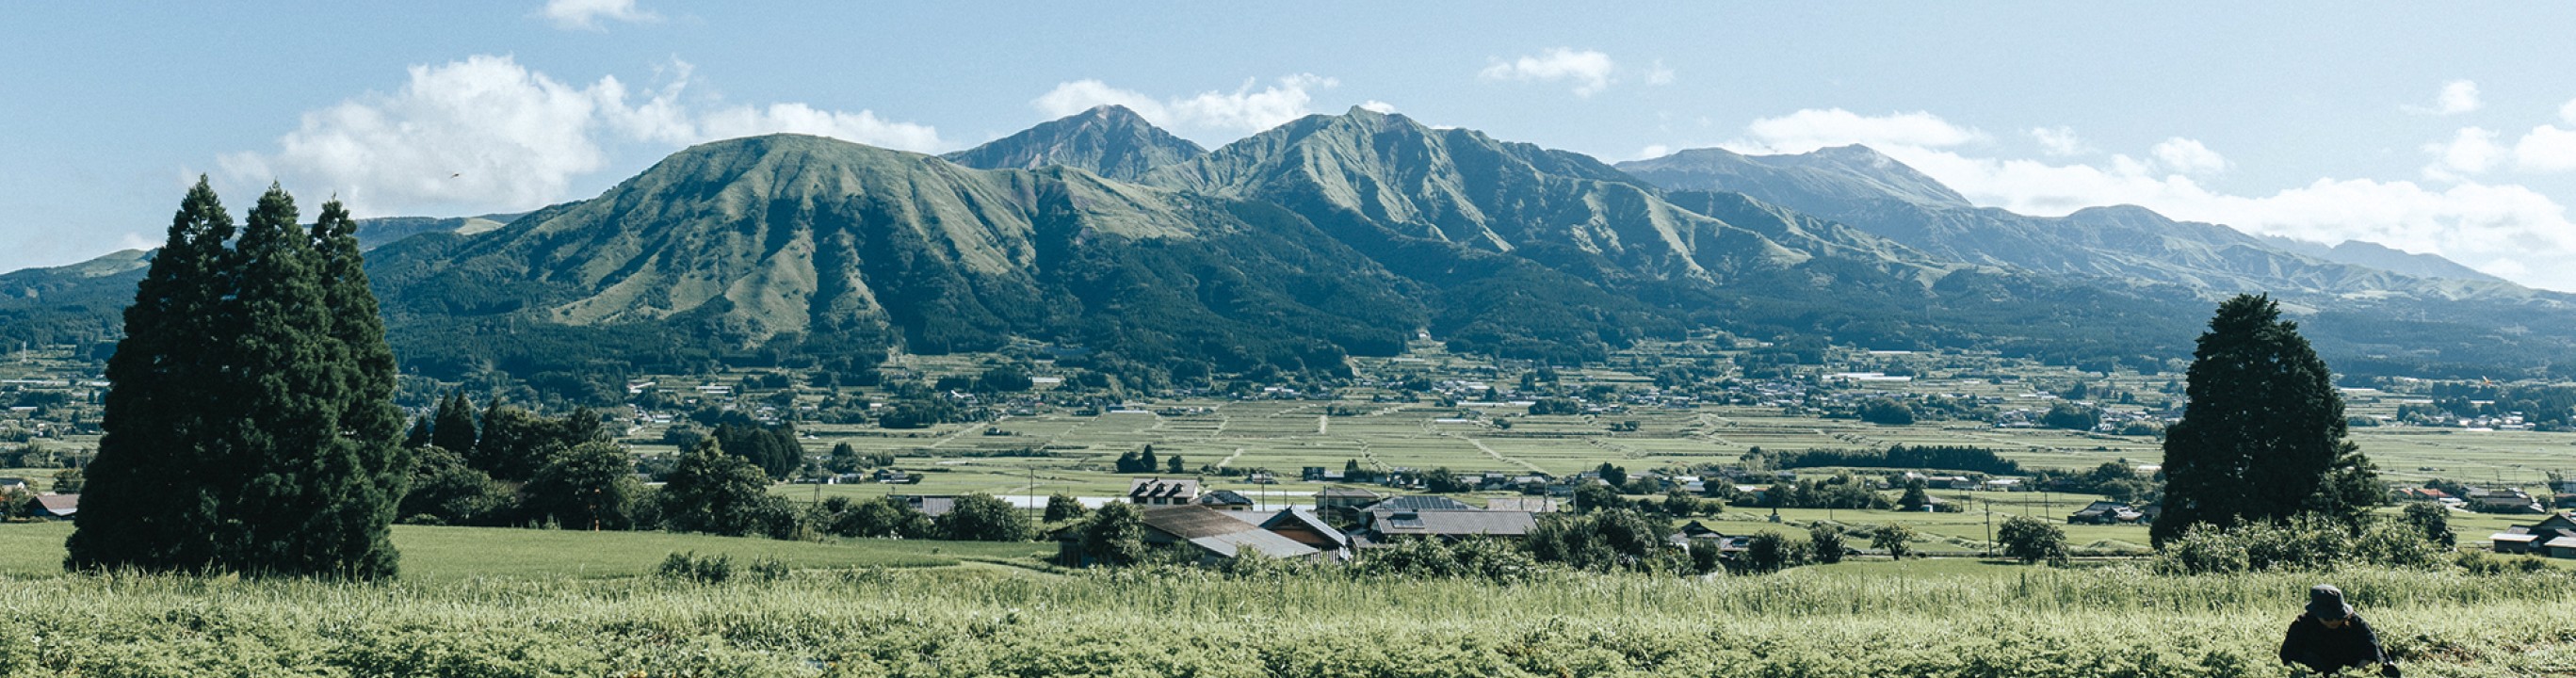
{"type": "Point", "coordinates": [2312, 644]}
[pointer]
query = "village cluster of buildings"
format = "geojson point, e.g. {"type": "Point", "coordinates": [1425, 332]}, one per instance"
{"type": "Point", "coordinates": [2492, 499]}
{"type": "Point", "coordinates": [1344, 522]}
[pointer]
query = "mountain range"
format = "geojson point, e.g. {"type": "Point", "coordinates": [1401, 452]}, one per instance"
{"type": "Point", "coordinates": [1157, 261]}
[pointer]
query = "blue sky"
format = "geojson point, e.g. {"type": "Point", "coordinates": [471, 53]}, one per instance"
{"type": "Point", "coordinates": [2449, 130]}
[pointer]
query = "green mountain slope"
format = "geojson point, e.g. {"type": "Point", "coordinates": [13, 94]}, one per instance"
{"type": "Point", "coordinates": [1459, 211]}
{"type": "Point", "coordinates": [1108, 140]}
{"type": "Point", "coordinates": [2368, 319]}
{"type": "Point", "coordinates": [827, 251]}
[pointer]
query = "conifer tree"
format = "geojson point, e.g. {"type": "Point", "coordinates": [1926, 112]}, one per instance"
{"type": "Point", "coordinates": [365, 471]}
{"type": "Point", "coordinates": [418, 436]}
{"type": "Point", "coordinates": [150, 508]}
{"type": "Point", "coordinates": [454, 428]}
{"type": "Point", "coordinates": [2262, 438]}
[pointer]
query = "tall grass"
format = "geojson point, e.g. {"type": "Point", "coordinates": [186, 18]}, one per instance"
{"type": "Point", "coordinates": [963, 622]}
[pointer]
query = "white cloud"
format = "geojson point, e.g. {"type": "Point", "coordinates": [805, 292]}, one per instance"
{"type": "Point", "coordinates": [585, 15]}
{"type": "Point", "coordinates": [863, 127]}
{"type": "Point", "coordinates": [2567, 111]}
{"type": "Point", "coordinates": [2457, 96]}
{"type": "Point", "coordinates": [1242, 110]}
{"type": "Point", "coordinates": [2470, 151]}
{"type": "Point", "coordinates": [1653, 151]}
{"type": "Point", "coordinates": [2187, 156]}
{"type": "Point", "coordinates": [1811, 129]}
{"type": "Point", "coordinates": [135, 241]}
{"type": "Point", "coordinates": [1659, 74]}
{"type": "Point", "coordinates": [486, 133]}
{"type": "Point", "coordinates": [1379, 107]}
{"type": "Point", "coordinates": [2506, 230]}
{"type": "Point", "coordinates": [1589, 70]}
{"type": "Point", "coordinates": [2059, 141]}
{"type": "Point", "coordinates": [2546, 149]}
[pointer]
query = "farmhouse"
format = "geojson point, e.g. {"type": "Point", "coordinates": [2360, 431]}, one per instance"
{"type": "Point", "coordinates": [1212, 536]}
{"type": "Point", "coordinates": [1383, 528]}
{"type": "Point", "coordinates": [2502, 500]}
{"type": "Point", "coordinates": [13, 484]}
{"type": "Point", "coordinates": [2554, 537]}
{"type": "Point", "coordinates": [1226, 500]}
{"type": "Point", "coordinates": [2105, 513]}
{"type": "Point", "coordinates": [1303, 526]}
{"type": "Point", "coordinates": [55, 506]}
{"type": "Point", "coordinates": [1350, 498]}
{"type": "Point", "coordinates": [1162, 491]}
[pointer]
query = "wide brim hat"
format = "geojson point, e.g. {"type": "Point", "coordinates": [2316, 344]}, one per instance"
{"type": "Point", "coordinates": [2325, 602]}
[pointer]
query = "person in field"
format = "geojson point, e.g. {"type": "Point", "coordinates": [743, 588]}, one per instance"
{"type": "Point", "coordinates": [2330, 637]}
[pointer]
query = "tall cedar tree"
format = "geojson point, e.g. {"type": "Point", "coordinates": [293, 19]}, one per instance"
{"type": "Point", "coordinates": [270, 386]}
{"type": "Point", "coordinates": [370, 470]}
{"type": "Point", "coordinates": [150, 505]}
{"type": "Point", "coordinates": [2263, 436]}
{"type": "Point", "coordinates": [454, 427]}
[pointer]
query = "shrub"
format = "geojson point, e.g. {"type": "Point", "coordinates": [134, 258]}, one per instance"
{"type": "Point", "coordinates": [2434, 522]}
{"type": "Point", "coordinates": [769, 568]}
{"type": "Point", "coordinates": [691, 567]}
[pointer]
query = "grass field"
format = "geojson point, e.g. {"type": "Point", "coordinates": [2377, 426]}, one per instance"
{"type": "Point", "coordinates": [452, 553]}
{"type": "Point", "coordinates": [1925, 618]}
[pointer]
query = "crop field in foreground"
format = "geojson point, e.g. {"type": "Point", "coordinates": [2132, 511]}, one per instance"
{"type": "Point", "coordinates": [451, 553]}
{"type": "Point", "coordinates": [1862, 619]}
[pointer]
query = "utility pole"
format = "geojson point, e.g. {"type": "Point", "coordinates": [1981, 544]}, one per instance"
{"type": "Point", "coordinates": [1990, 526]}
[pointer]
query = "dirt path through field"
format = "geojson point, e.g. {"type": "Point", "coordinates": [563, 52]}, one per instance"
{"type": "Point", "coordinates": [1498, 456]}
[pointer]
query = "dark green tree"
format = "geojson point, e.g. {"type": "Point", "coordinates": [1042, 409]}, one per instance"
{"type": "Point", "coordinates": [887, 517]}
{"type": "Point", "coordinates": [152, 503]}
{"type": "Point", "coordinates": [515, 442]}
{"type": "Point", "coordinates": [1615, 476]}
{"type": "Point", "coordinates": [2433, 522]}
{"type": "Point", "coordinates": [1915, 496]}
{"type": "Point", "coordinates": [772, 448]}
{"type": "Point", "coordinates": [1174, 465]}
{"type": "Point", "coordinates": [1768, 552]}
{"type": "Point", "coordinates": [1114, 535]}
{"type": "Point", "coordinates": [2070, 416]}
{"type": "Point", "coordinates": [2032, 540]}
{"type": "Point", "coordinates": [589, 487]}
{"type": "Point", "coordinates": [364, 469]}
{"type": "Point", "coordinates": [1145, 462]}
{"type": "Point", "coordinates": [447, 491]}
{"type": "Point", "coordinates": [454, 426]}
{"type": "Point", "coordinates": [980, 517]}
{"type": "Point", "coordinates": [1825, 544]}
{"type": "Point", "coordinates": [2263, 436]}
{"type": "Point", "coordinates": [1062, 507]}
{"type": "Point", "coordinates": [1886, 411]}
{"type": "Point", "coordinates": [1894, 538]}
{"type": "Point", "coordinates": [418, 436]}
{"type": "Point", "coordinates": [716, 493]}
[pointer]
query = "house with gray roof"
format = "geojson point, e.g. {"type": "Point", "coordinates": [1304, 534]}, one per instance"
{"type": "Point", "coordinates": [1162, 491]}
{"type": "Point", "coordinates": [1226, 500]}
